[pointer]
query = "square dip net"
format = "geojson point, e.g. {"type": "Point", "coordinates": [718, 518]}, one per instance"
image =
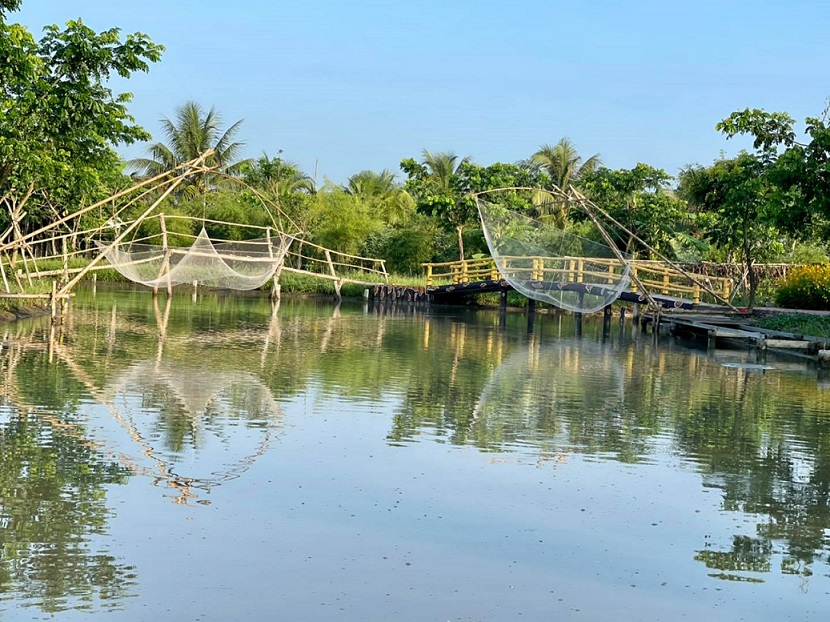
{"type": "Point", "coordinates": [241, 265]}
{"type": "Point", "coordinates": [550, 264]}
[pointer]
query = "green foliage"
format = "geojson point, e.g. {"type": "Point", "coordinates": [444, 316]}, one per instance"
{"type": "Point", "coordinates": [805, 288]}
{"type": "Point", "coordinates": [563, 164]}
{"type": "Point", "coordinates": [58, 117]}
{"type": "Point", "coordinates": [641, 201]}
{"type": "Point", "coordinates": [436, 187]}
{"type": "Point", "coordinates": [405, 247]}
{"type": "Point", "coordinates": [380, 193]}
{"type": "Point", "coordinates": [342, 222]}
{"type": "Point", "coordinates": [769, 129]}
{"type": "Point", "coordinates": [191, 134]}
{"type": "Point", "coordinates": [798, 323]}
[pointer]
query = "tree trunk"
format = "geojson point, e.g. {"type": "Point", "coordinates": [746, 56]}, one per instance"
{"type": "Point", "coordinates": [460, 243]}
{"type": "Point", "coordinates": [750, 269]}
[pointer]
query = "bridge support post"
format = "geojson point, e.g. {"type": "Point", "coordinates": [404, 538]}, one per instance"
{"type": "Point", "coordinates": [503, 307]}
{"type": "Point", "coordinates": [606, 321]}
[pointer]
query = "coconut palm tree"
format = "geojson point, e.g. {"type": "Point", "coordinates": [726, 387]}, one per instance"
{"type": "Point", "coordinates": [565, 167]}
{"type": "Point", "coordinates": [563, 163]}
{"type": "Point", "coordinates": [380, 191]}
{"type": "Point", "coordinates": [278, 176]}
{"type": "Point", "coordinates": [188, 136]}
{"type": "Point", "coordinates": [441, 168]}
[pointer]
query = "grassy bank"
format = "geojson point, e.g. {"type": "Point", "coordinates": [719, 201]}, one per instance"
{"type": "Point", "coordinates": [799, 323]}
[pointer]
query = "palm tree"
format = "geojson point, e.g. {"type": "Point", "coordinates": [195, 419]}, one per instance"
{"type": "Point", "coordinates": [565, 167]}
{"type": "Point", "coordinates": [380, 191]}
{"type": "Point", "coordinates": [278, 176]}
{"type": "Point", "coordinates": [563, 163]}
{"type": "Point", "coordinates": [191, 134]}
{"type": "Point", "coordinates": [441, 168]}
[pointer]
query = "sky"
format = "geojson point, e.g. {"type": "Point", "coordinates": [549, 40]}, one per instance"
{"type": "Point", "coordinates": [341, 87]}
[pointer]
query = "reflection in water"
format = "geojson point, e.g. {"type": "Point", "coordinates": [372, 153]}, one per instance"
{"type": "Point", "coordinates": [763, 440]}
{"type": "Point", "coordinates": [57, 457]}
{"type": "Point", "coordinates": [193, 404]}
{"type": "Point", "coordinates": [187, 397]}
{"type": "Point", "coordinates": [53, 480]}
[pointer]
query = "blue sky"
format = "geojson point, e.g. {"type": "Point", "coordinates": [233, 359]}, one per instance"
{"type": "Point", "coordinates": [345, 86]}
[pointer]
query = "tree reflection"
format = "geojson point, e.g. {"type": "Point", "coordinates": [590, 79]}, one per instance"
{"type": "Point", "coordinates": [52, 504]}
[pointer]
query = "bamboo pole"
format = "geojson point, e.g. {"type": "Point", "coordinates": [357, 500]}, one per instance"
{"type": "Point", "coordinates": [158, 179]}
{"type": "Point", "coordinates": [119, 238]}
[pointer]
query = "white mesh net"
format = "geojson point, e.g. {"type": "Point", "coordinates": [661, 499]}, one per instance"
{"type": "Point", "coordinates": [546, 263]}
{"type": "Point", "coordinates": [228, 265]}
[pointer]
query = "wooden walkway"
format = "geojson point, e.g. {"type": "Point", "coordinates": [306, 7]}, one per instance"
{"type": "Point", "coordinates": [673, 287]}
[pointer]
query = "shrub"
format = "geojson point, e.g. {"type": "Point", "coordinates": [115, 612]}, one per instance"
{"type": "Point", "coordinates": [807, 287]}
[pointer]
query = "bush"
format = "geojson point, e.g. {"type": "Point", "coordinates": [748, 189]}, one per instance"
{"type": "Point", "coordinates": [805, 288]}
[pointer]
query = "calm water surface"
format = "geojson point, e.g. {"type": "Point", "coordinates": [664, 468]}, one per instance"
{"type": "Point", "coordinates": [217, 461]}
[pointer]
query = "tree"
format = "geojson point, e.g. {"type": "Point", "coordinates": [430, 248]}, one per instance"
{"type": "Point", "coordinates": [58, 118]}
{"type": "Point", "coordinates": [562, 163]}
{"type": "Point", "coordinates": [799, 172]}
{"type": "Point", "coordinates": [734, 193]}
{"type": "Point", "coordinates": [383, 195]}
{"type": "Point", "coordinates": [285, 183]}
{"type": "Point", "coordinates": [640, 199]}
{"type": "Point", "coordinates": [434, 185]}
{"type": "Point", "coordinates": [191, 134]}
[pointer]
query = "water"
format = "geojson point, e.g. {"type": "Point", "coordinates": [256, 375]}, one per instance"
{"type": "Point", "coordinates": [215, 461]}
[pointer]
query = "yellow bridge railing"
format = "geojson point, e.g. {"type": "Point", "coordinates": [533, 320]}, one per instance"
{"type": "Point", "coordinates": [656, 276]}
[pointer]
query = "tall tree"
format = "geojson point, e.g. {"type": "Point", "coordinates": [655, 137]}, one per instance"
{"type": "Point", "coordinates": [563, 163]}
{"type": "Point", "coordinates": [734, 194]}
{"type": "Point", "coordinates": [640, 199]}
{"type": "Point", "coordinates": [191, 134]}
{"type": "Point", "coordinates": [435, 186]}
{"type": "Point", "coordinates": [58, 118]}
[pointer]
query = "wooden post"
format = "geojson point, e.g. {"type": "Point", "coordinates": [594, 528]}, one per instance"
{"type": "Point", "coordinates": [337, 282]}
{"type": "Point", "coordinates": [383, 268]}
{"type": "Point", "coordinates": [465, 278]}
{"type": "Point", "coordinates": [696, 293]}
{"type": "Point", "coordinates": [429, 274]}
{"type": "Point", "coordinates": [571, 269]}
{"type": "Point", "coordinates": [65, 273]}
{"type": "Point", "coordinates": [633, 286]}
{"type": "Point", "coordinates": [665, 289]}
{"type": "Point", "coordinates": [531, 314]}
{"type": "Point", "coordinates": [53, 302]}
{"type": "Point", "coordinates": [611, 273]}
{"type": "Point", "coordinates": [580, 275]}
{"type": "Point", "coordinates": [3, 272]}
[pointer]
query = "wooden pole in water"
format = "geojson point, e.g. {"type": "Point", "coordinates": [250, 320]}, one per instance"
{"type": "Point", "coordinates": [65, 273]}
{"type": "Point", "coordinates": [53, 302]}
{"type": "Point", "coordinates": [165, 265]}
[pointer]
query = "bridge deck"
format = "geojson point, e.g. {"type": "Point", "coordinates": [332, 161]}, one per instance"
{"type": "Point", "coordinates": [446, 293]}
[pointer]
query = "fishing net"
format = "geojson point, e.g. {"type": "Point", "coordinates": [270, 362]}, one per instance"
{"type": "Point", "coordinates": [546, 263]}
{"type": "Point", "coordinates": [228, 265]}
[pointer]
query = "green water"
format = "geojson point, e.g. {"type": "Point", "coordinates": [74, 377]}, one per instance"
{"type": "Point", "coordinates": [218, 460]}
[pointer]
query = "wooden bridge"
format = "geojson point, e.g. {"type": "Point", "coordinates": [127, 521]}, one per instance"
{"type": "Point", "coordinates": [668, 286]}
{"type": "Point", "coordinates": [47, 263]}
